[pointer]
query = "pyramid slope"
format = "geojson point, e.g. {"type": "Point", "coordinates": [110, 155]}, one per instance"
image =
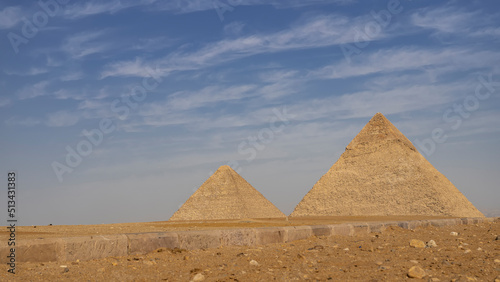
{"type": "Point", "coordinates": [226, 195]}
{"type": "Point", "coordinates": [382, 173]}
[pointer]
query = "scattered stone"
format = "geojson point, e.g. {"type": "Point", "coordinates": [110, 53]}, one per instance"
{"type": "Point", "coordinates": [254, 263]}
{"type": "Point", "coordinates": [379, 262]}
{"type": "Point", "coordinates": [431, 244]}
{"type": "Point", "coordinates": [467, 251]}
{"type": "Point", "coordinates": [497, 238]}
{"type": "Point", "coordinates": [65, 270]}
{"type": "Point", "coordinates": [177, 250]}
{"type": "Point", "coordinates": [414, 261]}
{"type": "Point", "coordinates": [199, 277]}
{"type": "Point", "coordinates": [346, 249]}
{"type": "Point", "coordinates": [497, 260]}
{"type": "Point", "coordinates": [63, 266]}
{"type": "Point", "coordinates": [479, 249]}
{"type": "Point", "coordinates": [417, 243]}
{"type": "Point", "coordinates": [454, 234]}
{"type": "Point", "coordinates": [195, 270]}
{"type": "Point", "coordinates": [416, 272]}
{"type": "Point", "coordinates": [435, 279]}
{"type": "Point", "coordinates": [497, 279]}
{"type": "Point", "coordinates": [317, 247]}
{"type": "Point", "coordinates": [300, 256]}
{"type": "Point", "coordinates": [114, 263]}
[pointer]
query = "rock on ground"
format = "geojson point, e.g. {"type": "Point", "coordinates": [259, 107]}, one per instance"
{"type": "Point", "coordinates": [416, 272]}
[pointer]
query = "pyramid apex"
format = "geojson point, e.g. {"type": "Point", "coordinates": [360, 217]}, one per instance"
{"type": "Point", "coordinates": [224, 167]}
{"type": "Point", "coordinates": [379, 116]}
{"type": "Point", "coordinates": [379, 130]}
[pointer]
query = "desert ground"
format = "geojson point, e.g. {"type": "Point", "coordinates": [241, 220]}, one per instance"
{"type": "Point", "coordinates": [471, 253]}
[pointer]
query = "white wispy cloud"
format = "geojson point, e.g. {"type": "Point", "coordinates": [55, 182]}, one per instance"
{"type": "Point", "coordinates": [72, 76]}
{"type": "Point", "coordinates": [314, 32]}
{"type": "Point", "coordinates": [135, 67]}
{"type": "Point", "coordinates": [10, 16]}
{"type": "Point", "coordinates": [90, 8]}
{"type": "Point", "coordinates": [444, 19]}
{"type": "Point", "coordinates": [452, 20]}
{"type": "Point", "coordinates": [408, 58]}
{"type": "Point", "coordinates": [319, 31]}
{"type": "Point", "coordinates": [493, 32]}
{"type": "Point", "coordinates": [191, 6]}
{"type": "Point", "coordinates": [62, 118]}
{"type": "Point", "coordinates": [234, 28]}
{"type": "Point", "coordinates": [32, 91]}
{"type": "Point", "coordinates": [22, 121]}
{"type": "Point", "coordinates": [29, 72]}
{"type": "Point", "coordinates": [85, 43]}
{"type": "Point", "coordinates": [152, 44]}
{"type": "Point", "coordinates": [65, 94]}
{"type": "Point", "coordinates": [4, 102]}
{"type": "Point", "coordinates": [209, 95]}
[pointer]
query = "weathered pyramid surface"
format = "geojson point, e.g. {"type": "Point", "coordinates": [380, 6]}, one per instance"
{"type": "Point", "coordinates": [226, 195]}
{"type": "Point", "coordinates": [382, 173]}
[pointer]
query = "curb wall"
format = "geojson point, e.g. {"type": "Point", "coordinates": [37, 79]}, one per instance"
{"type": "Point", "coordinates": [101, 246]}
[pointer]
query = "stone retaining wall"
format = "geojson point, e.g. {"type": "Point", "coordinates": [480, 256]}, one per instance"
{"type": "Point", "coordinates": [96, 247]}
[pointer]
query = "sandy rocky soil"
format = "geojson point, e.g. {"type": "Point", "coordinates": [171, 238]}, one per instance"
{"type": "Point", "coordinates": [460, 253]}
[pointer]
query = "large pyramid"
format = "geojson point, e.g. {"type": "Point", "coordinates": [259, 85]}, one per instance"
{"type": "Point", "coordinates": [226, 195]}
{"type": "Point", "coordinates": [381, 173]}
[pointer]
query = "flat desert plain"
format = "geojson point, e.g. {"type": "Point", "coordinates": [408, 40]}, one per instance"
{"type": "Point", "coordinates": [470, 253]}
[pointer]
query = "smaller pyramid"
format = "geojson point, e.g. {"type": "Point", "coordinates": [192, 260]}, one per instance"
{"type": "Point", "coordinates": [226, 195]}
{"type": "Point", "coordinates": [382, 173]}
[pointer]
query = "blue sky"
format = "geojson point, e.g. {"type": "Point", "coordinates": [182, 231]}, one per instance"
{"type": "Point", "coordinates": [117, 111]}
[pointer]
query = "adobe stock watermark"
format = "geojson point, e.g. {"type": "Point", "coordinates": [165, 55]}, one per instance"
{"type": "Point", "coordinates": [456, 114]}
{"type": "Point", "coordinates": [40, 19]}
{"type": "Point", "coordinates": [94, 137]}
{"type": "Point", "coordinates": [371, 29]}
{"type": "Point", "coordinates": [223, 6]}
{"type": "Point", "coordinates": [256, 143]}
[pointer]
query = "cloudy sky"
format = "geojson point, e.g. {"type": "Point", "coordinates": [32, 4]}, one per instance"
{"type": "Point", "coordinates": [117, 111]}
